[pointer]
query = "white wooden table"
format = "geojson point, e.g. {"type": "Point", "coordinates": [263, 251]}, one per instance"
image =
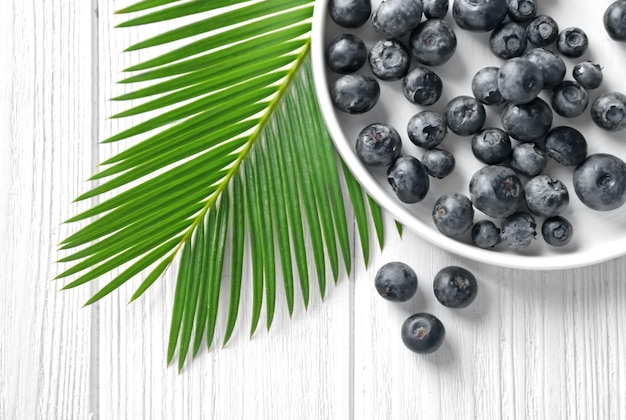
{"type": "Point", "coordinates": [536, 345]}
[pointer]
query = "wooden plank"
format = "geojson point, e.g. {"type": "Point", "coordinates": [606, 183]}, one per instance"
{"type": "Point", "coordinates": [297, 370]}
{"type": "Point", "coordinates": [538, 345]}
{"type": "Point", "coordinates": [45, 131]}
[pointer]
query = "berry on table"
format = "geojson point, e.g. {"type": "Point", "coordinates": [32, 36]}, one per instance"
{"type": "Point", "coordinates": [396, 282]}
{"type": "Point", "coordinates": [455, 287]}
{"type": "Point", "coordinates": [423, 333]}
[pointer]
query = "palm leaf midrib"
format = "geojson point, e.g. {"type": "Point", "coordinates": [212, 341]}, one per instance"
{"type": "Point", "coordinates": [247, 130]}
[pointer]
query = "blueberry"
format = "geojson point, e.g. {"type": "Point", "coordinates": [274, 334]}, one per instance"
{"type": "Point", "coordinates": [455, 287]}
{"type": "Point", "coordinates": [453, 214]}
{"type": "Point", "coordinates": [569, 99]}
{"type": "Point", "coordinates": [396, 18]}
{"type": "Point", "coordinates": [389, 59]}
{"type": "Point", "coordinates": [435, 9]}
{"type": "Point", "coordinates": [542, 31]}
{"type": "Point", "coordinates": [438, 163]}
{"type": "Point", "coordinates": [600, 182]}
{"type": "Point", "coordinates": [354, 93]}
{"type": "Point", "coordinates": [521, 10]}
{"type": "Point", "coordinates": [508, 40]}
{"type": "Point", "coordinates": [465, 115]}
{"type": "Point", "coordinates": [433, 42]}
{"type": "Point", "coordinates": [409, 179]}
{"type": "Point", "coordinates": [609, 111]}
{"type": "Point", "coordinates": [566, 145]}
{"type": "Point", "coordinates": [491, 146]}
{"type": "Point", "coordinates": [396, 281]}
{"type": "Point", "coordinates": [588, 75]}
{"type": "Point", "coordinates": [346, 54]}
{"type": "Point", "coordinates": [552, 66]}
{"type": "Point", "coordinates": [485, 234]}
{"type": "Point", "coordinates": [423, 333]}
{"type": "Point", "coordinates": [527, 122]}
{"type": "Point", "coordinates": [518, 230]}
{"type": "Point", "coordinates": [528, 159]}
{"type": "Point", "coordinates": [422, 86]}
{"type": "Point", "coordinates": [520, 80]}
{"type": "Point", "coordinates": [545, 196]}
{"type": "Point", "coordinates": [378, 145]}
{"type": "Point", "coordinates": [572, 42]}
{"type": "Point", "coordinates": [557, 231]}
{"type": "Point", "coordinates": [479, 15]}
{"type": "Point", "coordinates": [615, 20]}
{"type": "Point", "coordinates": [350, 13]}
{"type": "Point", "coordinates": [496, 191]}
{"type": "Point", "coordinates": [485, 86]}
{"type": "Point", "coordinates": [427, 129]}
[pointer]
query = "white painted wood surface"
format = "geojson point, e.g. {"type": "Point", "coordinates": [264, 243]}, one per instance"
{"type": "Point", "coordinates": [540, 345]}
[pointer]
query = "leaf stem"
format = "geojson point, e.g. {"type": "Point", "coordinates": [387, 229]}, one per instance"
{"type": "Point", "coordinates": [254, 136]}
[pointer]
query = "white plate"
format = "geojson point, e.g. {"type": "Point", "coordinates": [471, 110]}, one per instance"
{"type": "Point", "coordinates": [598, 236]}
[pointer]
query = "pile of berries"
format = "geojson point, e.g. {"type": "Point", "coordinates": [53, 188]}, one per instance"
{"type": "Point", "coordinates": [512, 186]}
{"type": "Point", "coordinates": [454, 287]}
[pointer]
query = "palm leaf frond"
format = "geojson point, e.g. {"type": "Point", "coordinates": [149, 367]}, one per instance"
{"type": "Point", "coordinates": [240, 159]}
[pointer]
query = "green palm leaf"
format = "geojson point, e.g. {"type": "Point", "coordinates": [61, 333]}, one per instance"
{"type": "Point", "coordinates": [241, 155]}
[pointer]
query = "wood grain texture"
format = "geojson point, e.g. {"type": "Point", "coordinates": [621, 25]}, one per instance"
{"type": "Point", "coordinates": [46, 147]}
{"type": "Point", "coordinates": [540, 345]}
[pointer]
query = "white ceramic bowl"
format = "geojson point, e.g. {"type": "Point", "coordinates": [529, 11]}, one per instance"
{"type": "Point", "coordinates": [598, 236]}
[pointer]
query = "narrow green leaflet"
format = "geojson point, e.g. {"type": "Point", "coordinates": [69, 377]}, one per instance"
{"type": "Point", "coordinates": [235, 167]}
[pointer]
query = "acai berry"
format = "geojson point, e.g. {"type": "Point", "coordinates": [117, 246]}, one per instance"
{"type": "Point", "coordinates": [378, 145]}
{"type": "Point", "coordinates": [354, 93]}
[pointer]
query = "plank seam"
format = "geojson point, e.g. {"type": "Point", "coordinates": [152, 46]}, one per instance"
{"type": "Point", "coordinates": [94, 363]}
